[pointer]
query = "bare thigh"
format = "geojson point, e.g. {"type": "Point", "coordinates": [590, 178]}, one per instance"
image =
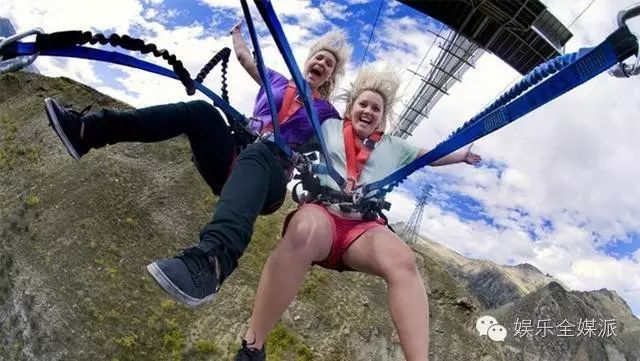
{"type": "Point", "coordinates": [310, 230]}
{"type": "Point", "coordinates": [379, 252]}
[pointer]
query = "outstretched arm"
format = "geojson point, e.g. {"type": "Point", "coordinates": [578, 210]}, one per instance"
{"type": "Point", "coordinates": [465, 155]}
{"type": "Point", "coordinates": [243, 53]}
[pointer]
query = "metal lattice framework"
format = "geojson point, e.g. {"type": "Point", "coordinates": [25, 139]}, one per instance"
{"type": "Point", "coordinates": [457, 54]}
{"type": "Point", "coordinates": [523, 33]}
{"type": "Point", "coordinates": [412, 228]}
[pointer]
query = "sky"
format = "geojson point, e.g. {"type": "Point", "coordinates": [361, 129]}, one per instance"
{"type": "Point", "coordinates": [556, 189]}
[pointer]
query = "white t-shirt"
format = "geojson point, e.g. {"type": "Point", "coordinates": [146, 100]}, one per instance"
{"type": "Point", "coordinates": [389, 155]}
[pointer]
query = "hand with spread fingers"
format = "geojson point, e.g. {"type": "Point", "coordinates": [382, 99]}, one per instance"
{"type": "Point", "coordinates": [237, 27]}
{"type": "Point", "coordinates": [471, 158]}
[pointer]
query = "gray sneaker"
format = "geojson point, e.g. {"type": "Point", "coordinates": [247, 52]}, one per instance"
{"type": "Point", "coordinates": [189, 278]}
{"type": "Point", "coordinates": [67, 124]}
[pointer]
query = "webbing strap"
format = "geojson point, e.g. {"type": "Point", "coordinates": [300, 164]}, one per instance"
{"type": "Point", "coordinates": [356, 156]}
{"type": "Point", "coordinates": [266, 84]}
{"type": "Point", "coordinates": [81, 52]}
{"type": "Point", "coordinates": [618, 46]}
{"type": "Point", "coordinates": [268, 15]}
{"type": "Point", "coordinates": [290, 105]}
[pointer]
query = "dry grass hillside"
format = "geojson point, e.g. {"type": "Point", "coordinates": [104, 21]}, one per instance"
{"type": "Point", "coordinates": [75, 238]}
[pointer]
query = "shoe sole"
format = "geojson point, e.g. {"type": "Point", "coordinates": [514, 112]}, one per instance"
{"type": "Point", "coordinates": [53, 120]}
{"type": "Point", "coordinates": [163, 281]}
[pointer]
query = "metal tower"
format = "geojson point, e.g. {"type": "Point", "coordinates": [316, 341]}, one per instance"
{"type": "Point", "coordinates": [412, 229]}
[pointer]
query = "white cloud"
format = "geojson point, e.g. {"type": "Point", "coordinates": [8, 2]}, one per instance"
{"type": "Point", "coordinates": [334, 10]}
{"type": "Point", "coordinates": [231, 4]}
{"type": "Point", "coordinates": [71, 68]}
{"type": "Point", "coordinates": [300, 11]}
{"type": "Point", "coordinates": [74, 14]}
{"type": "Point", "coordinates": [572, 162]}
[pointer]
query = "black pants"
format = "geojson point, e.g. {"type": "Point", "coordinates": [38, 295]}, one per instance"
{"type": "Point", "coordinates": [255, 185]}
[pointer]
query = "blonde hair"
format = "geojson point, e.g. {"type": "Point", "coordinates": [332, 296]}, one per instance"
{"type": "Point", "coordinates": [384, 82]}
{"type": "Point", "coordinates": [334, 42]}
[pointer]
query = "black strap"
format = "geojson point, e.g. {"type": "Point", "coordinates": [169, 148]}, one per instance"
{"type": "Point", "coordinates": [70, 38]}
{"type": "Point", "coordinates": [64, 39]}
{"type": "Point", "coordinates": [222, 55]}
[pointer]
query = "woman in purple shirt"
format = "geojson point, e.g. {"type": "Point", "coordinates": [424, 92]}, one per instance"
{"type": "Point", "coordinates": [249, 183]}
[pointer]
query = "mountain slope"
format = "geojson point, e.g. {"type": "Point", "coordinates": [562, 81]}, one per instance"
{"type": "Point", "coordinates": [75, 238]}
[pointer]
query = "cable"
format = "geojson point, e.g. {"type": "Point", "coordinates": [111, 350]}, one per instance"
{"type": "Point", "coordinates": [579, 15]}
{"type": "Point", "coordinates": [423, 59]}
{"type": "Point", "coordinates": [372, 31]}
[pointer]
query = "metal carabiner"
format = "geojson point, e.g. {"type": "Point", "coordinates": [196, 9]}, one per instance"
{"type": "Point", "coordinates": [357, 195]}
{"type": "Point", "coordinates": [17, 63]}
{"type": "Point", "coordinates": [624, 70]}
{"type": "Point", "coordinates": [627, 14]}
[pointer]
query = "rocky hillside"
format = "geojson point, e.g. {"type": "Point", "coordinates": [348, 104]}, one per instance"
{"type": "Point", "coordinates": [75, 237]}
{"type": "Point", "coordinates": [493, 285]}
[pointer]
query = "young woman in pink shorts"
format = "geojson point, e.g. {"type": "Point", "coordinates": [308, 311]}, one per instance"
{"type": "Point", "coordinates": [327, 236]}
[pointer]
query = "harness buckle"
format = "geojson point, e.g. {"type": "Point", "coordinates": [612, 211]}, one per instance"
{"type": "Point", "coordinates": [349, 185]}
{"type": "Point", "coordinates": [357, 196]}
{"type": "Point", "coordinates": [369, 143]}
{"type": "Point", "coordinates": [626, 70]}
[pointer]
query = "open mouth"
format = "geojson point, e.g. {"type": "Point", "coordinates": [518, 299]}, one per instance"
{"type": "Point", "coordinates": [366, 120]}
{"type": "Point", "coordinates": [315, 71]}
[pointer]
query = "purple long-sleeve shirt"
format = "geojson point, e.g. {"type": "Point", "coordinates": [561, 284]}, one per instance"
{"type": "Point", "coordinates": [297, 130]}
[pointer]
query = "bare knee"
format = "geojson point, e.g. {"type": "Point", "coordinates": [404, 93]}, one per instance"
{"type": "Point", "coordinates": [308, 233]}
{"type": "Point", "coordinates": [298, 233]}
{"type": "Point", "coordinates": [401, 265]}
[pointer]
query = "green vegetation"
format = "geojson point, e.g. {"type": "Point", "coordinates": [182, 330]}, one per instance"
{"type": "Point", "coordinates": [282, 342]}
{"type": "Point", "coordinates": [12, 152]}
{"type": "Point", "coordinates": [207, 346]}
{"type": "Point", "coordinates": [32, 200]}
{"type": "Point", "coordinates": [316, 279]}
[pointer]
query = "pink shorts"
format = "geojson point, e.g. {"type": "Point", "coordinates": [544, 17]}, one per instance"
{"type": "Point", "coordinates": [344, 232]}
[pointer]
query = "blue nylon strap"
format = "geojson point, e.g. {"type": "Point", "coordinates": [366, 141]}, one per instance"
{"type": "Point", "coordinates": [583, 68]}
{"type": "Point", "coordinates": [280, 142]}
{"type": "Point", "coordinates": [266, 10]}
{"type": "Point", "coordinates": [81, 52]}
{"type": "Point", "coordinates": [532, 78]}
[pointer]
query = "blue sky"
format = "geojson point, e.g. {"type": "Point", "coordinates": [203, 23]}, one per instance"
{"type": "Point", "coordinates": [557, 189]}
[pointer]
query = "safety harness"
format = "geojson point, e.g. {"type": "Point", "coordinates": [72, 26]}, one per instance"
{"type": "Point", "coordinates": [356, 158]}
{"type": "Point", "coordinates": [291, 103]}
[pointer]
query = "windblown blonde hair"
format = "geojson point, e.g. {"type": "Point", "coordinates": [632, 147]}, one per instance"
{"type": "Point", "coordinates": [334, 42]}
{"type": "Point", "coordinates": [384, 82]}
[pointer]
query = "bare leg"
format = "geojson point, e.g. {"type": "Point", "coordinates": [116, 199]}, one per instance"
{"type": "Point", "coordinates": [308, 238]}
{"type": "Point", "coordinates": [382, 253]}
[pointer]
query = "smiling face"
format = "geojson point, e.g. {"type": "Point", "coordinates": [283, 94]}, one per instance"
{"type": "Point", "coordinates": [319, 68]}
{"type": "Point", "coordinates": [366, 113]}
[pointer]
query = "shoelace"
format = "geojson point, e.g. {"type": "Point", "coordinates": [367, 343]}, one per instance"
{"type": "Point", "coordinates": [248, 352]}
{"type": "Point", "coordinates": [82, 112]}
{"type": "Point", "coordinates": [196, 264]}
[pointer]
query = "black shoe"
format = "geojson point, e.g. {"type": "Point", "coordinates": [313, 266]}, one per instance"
{"type": "Point", "coordinates": [250, 354]}
{"type": "Point", "coordinates": [189, 278]}
{"type": "Point", "coordinates": [67, 124]}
